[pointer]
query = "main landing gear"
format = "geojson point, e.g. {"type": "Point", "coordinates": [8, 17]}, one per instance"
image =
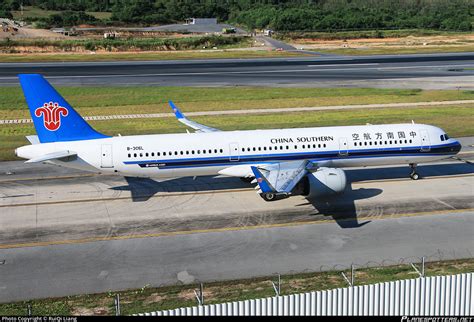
{"type": "Point", "coordinates": [413, 174]}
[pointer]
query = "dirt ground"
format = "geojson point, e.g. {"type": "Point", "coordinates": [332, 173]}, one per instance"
{"type": "Point", "coordinates": [371, 43]}
{"type": "Point", "coordinates": [30, 33]}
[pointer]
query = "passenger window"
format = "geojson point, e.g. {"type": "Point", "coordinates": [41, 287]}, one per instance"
{"type": "Point", "coordinates": [222, 151]}
{"type": "Point", "coordinates": [296, 147]}
{"type": "Point", "coordinates": [198, 151]}
{"type": "Point", "coordinates": [129, 155]}
{"type": "Point", "coordinates": [264, 148]}
{"type": "Point", "coordinates": [187, 152]}
{"type": "Point", "coordinates": [215, 150]}
{"type": "Point", "coordinates": [141, 155]}
{"type": "Point", "coordinates": [375, 142]}
{"type": "Point", "coordinates": [365, 143]}
{"type": "Point", "coordinates": [134, 155]}
{"type": "Point", "coordinates": [287, 147]}
{"type": "Point", "coordinates": [181, 152]}
{"type": "Point", "coordinates": [281, 147]}
{"type": "Point", "coordinates": [324, 145]}
{"type": "Point", "coordinates": [254, 149]}
{"type": "Point", "coordinates": [370, 143]}
{"type": "Point", "coordinates": [303, 146]}
{"type": "Point", "coordinates": [411, 141]}
{"type": "Point", "coordinates": [248, 149]}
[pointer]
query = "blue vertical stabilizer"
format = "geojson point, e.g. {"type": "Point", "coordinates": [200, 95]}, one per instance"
{"type": "Point", "coordinates": [54, 119]}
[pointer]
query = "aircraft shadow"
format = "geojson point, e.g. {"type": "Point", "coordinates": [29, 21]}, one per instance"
{"type": "Point", "coordinates": [342, 207]}
{"type": "Point", "coordinates": [426, 170]}
{"type": "Point", "coordinates": [143, 189]}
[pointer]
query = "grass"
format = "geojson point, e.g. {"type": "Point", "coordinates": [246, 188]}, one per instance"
{"type": "Point", "coordinates": [361, 34]}
{"type": "Point", "coordinates": [163, 55]}
{"type": "Point", "coordinates": [149, 299]}
{"type": "Point", "coordinates": [392, 50]}
{"type": "Point", "coordinates": [15, 46]}
{"type": "Point", "coordinates": [128, 100]}
{"type": "Point", "coordinates": [456, 120]}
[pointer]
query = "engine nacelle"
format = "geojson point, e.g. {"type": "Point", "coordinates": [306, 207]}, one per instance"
{"type": "Point", "coordinates": [323, 182]}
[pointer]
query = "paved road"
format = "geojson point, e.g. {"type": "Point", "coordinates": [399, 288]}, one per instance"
{"type": "Point", "coordinates": [59, 270]}
{"type": "Point", "coordinates": [83, 234]}
{"type": "Point", "coordinates": [387, 71]}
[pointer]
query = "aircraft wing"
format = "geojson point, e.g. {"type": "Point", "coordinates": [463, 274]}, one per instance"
{"type": "Point", "coordinates": [194, 125]}
{"type": "Point", "coordinates": [52, 156]}
{"type": "Point", "coordinates": [280, 178]}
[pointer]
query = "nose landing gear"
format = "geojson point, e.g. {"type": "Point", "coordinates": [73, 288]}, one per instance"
{"type": "Point", "coordinates": [414, 175]}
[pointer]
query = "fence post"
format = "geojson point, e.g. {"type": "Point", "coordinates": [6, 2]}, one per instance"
{"type": "Point", "coordinates": [351, 281]}
{"type": "Point", "coordinates": [117, 304]}
{"type": "Point", "coordinates": [422, 273]}
{"type": "Point", "coordinates": [200, 295]}
{"type": "Point", "coordinates": [277, 287]}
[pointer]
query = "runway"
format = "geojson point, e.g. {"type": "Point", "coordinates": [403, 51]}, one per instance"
{"type": "Point", "coordinates": [66, 232]}
{"type": "Point", "coordinates": [437, 71]}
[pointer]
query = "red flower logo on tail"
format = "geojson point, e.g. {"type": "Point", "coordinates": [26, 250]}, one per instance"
{"type": "Point", "coordinates": [51, 115]}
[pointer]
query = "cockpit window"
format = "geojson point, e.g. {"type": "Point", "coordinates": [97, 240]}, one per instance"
{"type": "Point", "coordinates": [446, 137]}
{"type": "Point", "coordinates": [441, 137]}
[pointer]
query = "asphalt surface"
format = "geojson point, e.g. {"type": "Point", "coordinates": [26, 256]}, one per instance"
{"type": "Point", "coordinates": [386, 71]}
{"type": "Point", "coordinates": [66, 232]}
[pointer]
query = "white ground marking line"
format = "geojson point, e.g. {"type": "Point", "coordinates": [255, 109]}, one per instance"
{"type": "Point", "coordinates": [444, 203]}
{"type": "Point", "coordinates": [329, 65]}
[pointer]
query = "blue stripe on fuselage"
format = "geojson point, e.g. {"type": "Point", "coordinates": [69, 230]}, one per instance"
{"type": "Point", "coordinates": [444, 149]}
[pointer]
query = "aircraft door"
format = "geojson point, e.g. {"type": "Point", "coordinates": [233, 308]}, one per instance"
{"type": "Point", "coordinates": [343, 147]}
{"type": "Point", "coordinates": [106, 156]}
{"type": "Point", "coordinates": [425, 141]}
{"type": "Point", "coordinates": [234, 154]}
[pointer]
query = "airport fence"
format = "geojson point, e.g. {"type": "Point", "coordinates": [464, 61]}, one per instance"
{"type": "Point", "coordinates": [439, 295]}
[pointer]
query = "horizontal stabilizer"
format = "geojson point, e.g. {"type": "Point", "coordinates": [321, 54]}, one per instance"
{"type": "Point", "coordinates": [33, 139]}
{"type": "Point", "coordinates": [52, 156]}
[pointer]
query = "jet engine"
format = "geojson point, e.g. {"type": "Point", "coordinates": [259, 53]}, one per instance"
{"type": "Point", "coordinates": [323, 182]}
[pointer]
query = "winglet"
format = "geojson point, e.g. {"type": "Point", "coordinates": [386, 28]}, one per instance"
{"type": "Point", "coordinates": [263, 183]}
{"type": "Point", "coordinates": [176, 111]}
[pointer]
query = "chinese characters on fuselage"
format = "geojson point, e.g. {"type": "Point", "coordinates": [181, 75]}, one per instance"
{"type": "Point", "coordinates": [380, 135]}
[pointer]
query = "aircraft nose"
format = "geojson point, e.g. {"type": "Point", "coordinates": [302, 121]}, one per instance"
{"type": "Point", "coordinates": [456, 147]}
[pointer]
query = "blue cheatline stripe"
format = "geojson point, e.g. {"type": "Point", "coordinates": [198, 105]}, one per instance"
{"type": "Point", "coordinates": [314, 156]}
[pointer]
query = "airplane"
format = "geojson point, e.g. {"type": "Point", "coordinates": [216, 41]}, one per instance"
{"type": "Point", "coordinates": [281, 162]}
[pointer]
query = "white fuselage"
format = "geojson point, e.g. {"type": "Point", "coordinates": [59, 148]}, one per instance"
{"type": "Point", "coordinates": [233, 152]}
